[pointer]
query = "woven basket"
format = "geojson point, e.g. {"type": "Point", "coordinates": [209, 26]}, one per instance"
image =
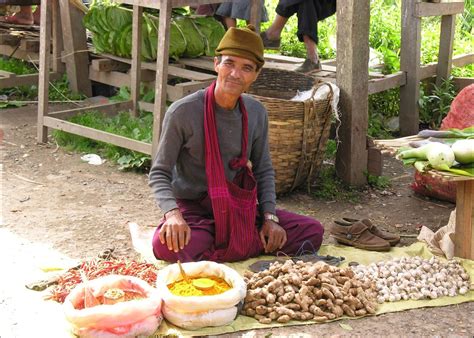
{"type": "Point", "coordinates": [298, 130]}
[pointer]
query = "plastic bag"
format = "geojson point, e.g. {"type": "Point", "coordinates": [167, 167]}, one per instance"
{"type": "Point", "coordinates": [461, 113]}
{"type": "Point", "coordinates": [195, 312]}
{"type": "Point", "coordinates": [124, 319]}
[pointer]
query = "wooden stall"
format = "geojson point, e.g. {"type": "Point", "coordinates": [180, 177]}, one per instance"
{"type": "Point", "coordinates": [349, 71]}
{"type": "Point", "coordinates": [137, 73]}
{"type": "Point", "coordinates": [23, 42]}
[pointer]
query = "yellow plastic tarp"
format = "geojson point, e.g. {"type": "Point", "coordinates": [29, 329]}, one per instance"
{"type": "Point", "coordinates": [350, 254]}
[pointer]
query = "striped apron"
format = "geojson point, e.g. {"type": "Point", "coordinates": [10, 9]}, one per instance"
{"type": "Point", "coordinates": [234, 204]}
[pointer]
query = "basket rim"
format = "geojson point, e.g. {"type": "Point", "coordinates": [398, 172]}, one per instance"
{"type": "Point", "coordinates": [316, 85]}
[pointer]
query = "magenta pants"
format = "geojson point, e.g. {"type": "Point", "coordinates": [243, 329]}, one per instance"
{"type": "Point", "coordinates": [303, 233]}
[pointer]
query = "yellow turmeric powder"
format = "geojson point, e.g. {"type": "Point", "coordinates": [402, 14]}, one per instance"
{"type": "Point", "coordinates": [187, 289]}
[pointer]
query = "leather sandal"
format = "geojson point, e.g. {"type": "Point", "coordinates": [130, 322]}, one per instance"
{"type": "Point", "coordinates": [358, 235]}
{"type": "Point", "coordinates": [269, 43]}
{"type": "Point", "coordinates": [393, 239]}
{"type": "Point", "coordinates": [308, 66]}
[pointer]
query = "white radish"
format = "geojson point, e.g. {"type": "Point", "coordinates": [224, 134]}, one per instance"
{"type": "Point", "coordinates": [464, 151]}
{"type": "Point", "coordinates": [440, 157]}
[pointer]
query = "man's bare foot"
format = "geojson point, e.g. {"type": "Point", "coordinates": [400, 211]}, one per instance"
{"type": "Point", "coordinates": [18, 19]}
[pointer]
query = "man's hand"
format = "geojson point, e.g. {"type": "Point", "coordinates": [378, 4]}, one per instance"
{"type": "Point", "coordinates": [175, 232]}
{"type": "Point", "coordinates": [272, 236]}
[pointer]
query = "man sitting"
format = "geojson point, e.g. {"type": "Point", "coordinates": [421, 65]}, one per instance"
{"type": "Point", "coordinates": [212, 175]}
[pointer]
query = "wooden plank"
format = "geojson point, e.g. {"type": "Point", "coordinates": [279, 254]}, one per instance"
{"type": "Point", "coordinates": [147, 106]}
{"type": "Point", "coordinates": [410, 64]}
{"type": "Point", "coordinates": [135, 79]}
{"type": "Point", "coordinates": [445, 55]}
{"type": "Point", "coordinates": [43, 82]}
{"type": "Point", "coordinates": [108, 65]}
{"type": "Point", "coordinates": [158, 4]}
{"type": "Point", "coordinates": [18, 53]}
{"type": "Point", "coordinates": [115, 79]}
{"type": "Point", "coordinates": [57, 41]}
{"type": "Point", "coordinates": [292, 67]}
{"type": "Point", "coordinates": [429, 70]}
{"type": "Point", "coordinates": [25, 80]}
{"type": "Point", "coordinates": [75, 45]}
{"type": "Point", "coordinates": [463, 60]}
{"type": "Point", "coordinates": [464, 233]}
{"type": "Point", "coordinates": [10, 39]}
{"type": "Point", "coordinates": [109, 109]}
{"type": "Point", "coordinates": [201, 63]}
{"type": "Point", "coordinates": [98, 135]}
{"type": "Point", "coordinates": [145, 75]}
{"type": "Point", "coordinates": [6, 74]}
{"type": "Point", "coordinates": [462, 82]}
{"type": "Point", "coordinates": [29, 45]}
{"type": "Point", "coordinates": [282, 58]}
{"type": "Point", "coordinates": [181, 90]}
{"type": "Point", "coordinates": [423, 9]}
{"type": "Point", "coordinates": [173, 70]}
{"type": "Point", "coordinates": [161, 72]}
{"type": "Point", "coordinates": [352, 78]}
{"type": "Point", "coordinates": [173, 93]}
{"type": "Point", "coordinates": [189, 74]}
{"type": "Point", "coordinates": [374, 161]}
{"type": "Point", "coordinates": [394, 80]}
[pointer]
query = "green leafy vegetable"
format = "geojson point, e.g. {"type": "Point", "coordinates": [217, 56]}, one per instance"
{"type": "Point", "coordinates": [111, 27]}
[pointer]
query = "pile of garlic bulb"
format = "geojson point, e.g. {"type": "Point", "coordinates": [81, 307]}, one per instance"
{"type": "Point", "coordinates": [415, 278]}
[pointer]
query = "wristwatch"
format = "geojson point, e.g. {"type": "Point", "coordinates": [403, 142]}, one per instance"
{"type": "Point", "coordinates": [272, 217]}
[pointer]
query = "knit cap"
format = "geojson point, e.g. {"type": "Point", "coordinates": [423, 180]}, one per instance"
{"type": "Point", "coordinates": [243, 42]}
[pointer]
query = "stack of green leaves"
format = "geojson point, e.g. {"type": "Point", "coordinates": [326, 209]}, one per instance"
{"type": "Point", "coordinates": [111, 27]}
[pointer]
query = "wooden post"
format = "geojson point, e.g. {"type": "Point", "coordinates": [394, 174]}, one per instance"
{"type": "Point", "coordinates": [57, 35]}
{"type": "Point", "coordinates": [445, 56]}
{"type": "Point", "coordinates": [410, 64]}
{"type": "Point", "coordinates": [161, 72]}
{"type": "Point", "coordinates": [75, 47]}
{"type": "Point", "coordinates": [136, 57]}
{"type": "Point", "coordinates": [43, 81]}
{"type": "Point", "coordinates": [256, 14]}
{"type": "Point", "coordinates": [464, 233]}
{"type": "Point", "coordinates": [353, 18]}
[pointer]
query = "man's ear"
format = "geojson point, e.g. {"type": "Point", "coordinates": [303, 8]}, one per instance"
{"type": "Point", "coordinates": [216, 62]}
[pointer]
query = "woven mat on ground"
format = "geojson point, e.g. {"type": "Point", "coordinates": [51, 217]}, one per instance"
{"type": "Point", "coordinates": [350, 254]}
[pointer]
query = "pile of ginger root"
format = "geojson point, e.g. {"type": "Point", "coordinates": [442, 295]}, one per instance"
{"type": "Point", "coordinates": [306, 291]}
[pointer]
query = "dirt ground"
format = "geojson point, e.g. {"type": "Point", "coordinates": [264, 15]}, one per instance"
{"type": "Point", "coordinates": [57, 208]}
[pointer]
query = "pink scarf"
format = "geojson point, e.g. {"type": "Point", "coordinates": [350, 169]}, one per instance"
{"type": "Point", "coordinates": [234, 204]}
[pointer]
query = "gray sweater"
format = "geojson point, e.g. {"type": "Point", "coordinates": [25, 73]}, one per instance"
{"type": "Point", "coordinates": [178, 170]}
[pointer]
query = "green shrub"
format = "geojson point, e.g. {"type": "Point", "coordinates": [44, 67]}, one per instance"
{"type": "Point", "coordinates": [122, 124]}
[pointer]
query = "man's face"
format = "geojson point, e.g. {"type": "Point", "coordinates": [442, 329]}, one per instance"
{"type": "Point", "coordinates": [235, 74]}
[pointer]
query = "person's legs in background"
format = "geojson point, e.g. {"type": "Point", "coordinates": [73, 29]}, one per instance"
{"type": "Point", "coordinates": [308, 33]}
{"type": "Point", "coordinates": [23, 17]}
{"type": "Point", "coordinates": [231, 11]}
{"type": "Point", "coordinates": [309, 12]}
{"type": "Point", "coordinates": [284, 10]}
{"type": "Point", "coordinates": [229, 22]}
{"type": "Point", "coordinates": [26, 15]}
